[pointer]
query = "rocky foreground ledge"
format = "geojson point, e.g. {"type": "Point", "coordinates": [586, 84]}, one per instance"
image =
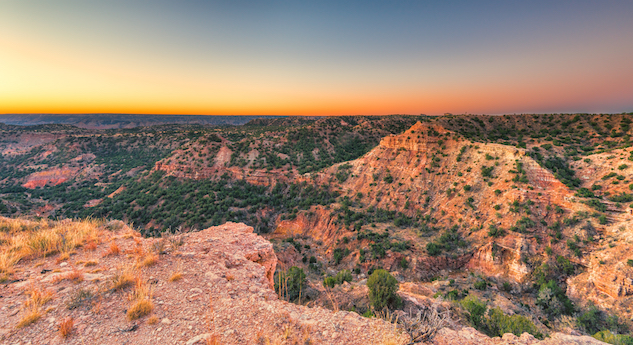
{"type": "Point", "coordinates": [213, 285]}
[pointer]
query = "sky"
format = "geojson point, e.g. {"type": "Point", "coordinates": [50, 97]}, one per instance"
{"type": "Point", "coordinates": [316, 57]}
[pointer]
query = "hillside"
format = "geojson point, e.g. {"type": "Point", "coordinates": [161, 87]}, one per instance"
{"type": "Point", "coordinates": [213, 286]}
{"type": "Point", "coordinates": [526, 213]}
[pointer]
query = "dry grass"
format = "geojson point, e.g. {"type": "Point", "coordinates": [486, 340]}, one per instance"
{"type": "Point", "coordinates": [91, 245]}
{"type": "Point", "coordinates": [113, 250]}
{"type": "Point", "coordinates": [152, 320]}
{"type": "Point", "coordinates": [91, 263]}
{"type": "Point", "coordinates": [62, 257]}
{"type": "Point", "coordinates": [31, 316]}
{"type": "Point", "coordinates": [24, 239]}
{"type": "Point", "coordinates": [66, 327]}
{"type": "Point", "coordinates": [33, 306]}
{"type": "Point", "coordinates": [7, 261]}
{"type": "Point", "coordinates": [175, 277]}
{"type": "Point", "coordinates": [75, 276]}
{"type": "Point", "coordinates": [141, 300]}
{"type": "Point", "coordinates": [148, 260]}
{"type": "Point", "coordinates": [123, 278]}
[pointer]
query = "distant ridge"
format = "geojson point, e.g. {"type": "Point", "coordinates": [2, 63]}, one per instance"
{"type": "Point", "coordinates": [112, 121]}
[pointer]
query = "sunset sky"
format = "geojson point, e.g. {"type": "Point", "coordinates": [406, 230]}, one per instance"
{"type": "Point", "coordinates": [315, 58]}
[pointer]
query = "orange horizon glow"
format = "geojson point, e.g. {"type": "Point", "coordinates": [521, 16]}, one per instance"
{"type": "Point", "coordinates": [48, 64]}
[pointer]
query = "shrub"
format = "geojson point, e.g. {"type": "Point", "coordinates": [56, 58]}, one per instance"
{"type": "Point", "coordinates": [552, 300]}
{"type": "Point", "coordinates": [433, 249]}
{"type": "Point", "coordinates": [487, 171]}
{"type": "Point", "coordinates": [591, 320]}
{"type": "Point", "coordinates": [617, 339]}
{"type": "Point", "coordinates": [382, 290]}
{"type": "Point", "coordinates": [480, 284]}
{"type": "Point", "coordinates": [343, 276]}
{"type": "Point", "coordinates": [497, 323]}
{"type": "Point", "coordinates": [404, 264]}
{"type": "Point", "coordinates": [495, 232]}
{"type": "Point", "coordinates": [507, 287]}
{"type": "Point", "coordinates": [329, 282]}
{"type": "Point", "coordinates": [602, 219]}
{"type": "Point", "coordinates": [476, 311]}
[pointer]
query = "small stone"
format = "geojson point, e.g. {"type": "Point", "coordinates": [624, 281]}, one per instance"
{"type": "Point", "coordinates": [165, 321]}
{"type": "Point", "coordinates": [198, 338]}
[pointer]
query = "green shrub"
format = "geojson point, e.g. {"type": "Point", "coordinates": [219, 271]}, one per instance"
{"type": "Point", "coordinates": [495, 232]}
{"type": "Point", "coordinates": [329, 282]}
{"type": "Point", "coordinates": [552, 300]}
{"type": "Point", "coordinates": [494, 322]}
{"type": "Point", "coordinates": [404, 264]}
{"type": "Point", "coordinates": [343, 276]}
{"type": "Point", "coordinates": [382, 290]}
{"type": "Point", "coordinates": [476, 311]}
{"type": "Point", "coordinates": [480, 284]}
{"type": "Point", "coordinates": [497, 324]}
{"type": "Point", "coordinates": [591, 320]}
{"type": "Point", "coordinates": [616, 339]}
{"type": "Point", "coordinates": [388, 178]}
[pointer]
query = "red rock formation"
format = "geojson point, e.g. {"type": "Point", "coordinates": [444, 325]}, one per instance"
{"type": "Point", "coordinates": [52, 177]}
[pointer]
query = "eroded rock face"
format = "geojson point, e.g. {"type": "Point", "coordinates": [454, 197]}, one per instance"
{"type": "Point", "coordinates": [607, 280]}
{"type": "Point", "coordinates": [503, 258]}
{"type": "Point", "coordinates": [51, 177]}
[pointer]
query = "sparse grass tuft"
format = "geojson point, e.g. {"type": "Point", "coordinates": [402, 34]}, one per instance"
{"type": "Point", "coordinates": [91, 263]}
{"type": "Point", "coordinates": [32, 315]}
{"type": "Point", "coordinates": [175, 277]}
{"type": "Point", "coordinates": [33, 306]}
{"type": "Point", "coordinates": [66, 327]}
{"type": "Point", "coordinates": [75, 276]}
{"type": "Point", "coordinates": [152, 320]}
{"type": "Point", "coordinates": [122, 279]}
{"type": "Point", "coordinates": [148, 260]}
{"type": "Point", "coordinates": [113, 250]}
{"type": "Point", "coordinates": [141, 300]}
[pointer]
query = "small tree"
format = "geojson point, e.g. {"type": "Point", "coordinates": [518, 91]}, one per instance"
{"type": "Point", "coordinates": [290, 284]}
{"type": "Point", "coordinates": [382, 290]}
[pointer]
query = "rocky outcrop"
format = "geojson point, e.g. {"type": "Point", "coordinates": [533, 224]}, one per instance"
{"type": "Point", "coordinates": [239, 240]}
{"type": "Point", "coordinates": [470, 336]}
{"type": "Point", "coordinates": [51, 177]}
{"type": "Point", "coordinates": [607, 281]}
{"type": "Point", "coordinates": [225, 292]}
{"type": "Point", "coordinates": [502, 258]}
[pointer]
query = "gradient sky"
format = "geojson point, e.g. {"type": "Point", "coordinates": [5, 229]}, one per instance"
{"type": "Point", "coordinates": [315, 58]}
